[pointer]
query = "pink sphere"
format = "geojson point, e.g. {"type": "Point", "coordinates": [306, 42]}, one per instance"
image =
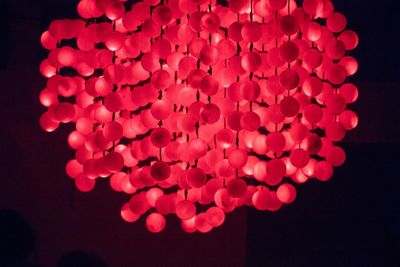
{"type": "Point", "coordinates": [155, 222]}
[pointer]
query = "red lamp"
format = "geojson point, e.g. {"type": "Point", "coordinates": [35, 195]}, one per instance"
{"type": "Point", "coordinates": [196, 108]}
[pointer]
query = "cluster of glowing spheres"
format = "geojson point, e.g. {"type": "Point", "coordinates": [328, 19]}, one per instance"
{"type": "Point", "coordinates": [196, 108]}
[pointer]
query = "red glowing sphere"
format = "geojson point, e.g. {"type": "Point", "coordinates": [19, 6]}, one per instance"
{"type": "Point", "coordinates": [155, 222]}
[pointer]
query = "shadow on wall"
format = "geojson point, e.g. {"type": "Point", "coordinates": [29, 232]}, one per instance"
{"type": "Point", "coordinates": [17, 240]}
{"type": "Point", "coordinates": [17, 244]}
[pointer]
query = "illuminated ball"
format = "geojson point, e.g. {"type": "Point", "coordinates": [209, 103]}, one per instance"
{"type": "Point", "coordinates": [160, 109]}
{"type": "Point", "coordinates": [289, 51]}
{"type": "Point", "coordinates": [138, 204]}
{"type": "Point", "coordinates": [259, 144]}
{"type": "Point", "coordinates": [185, 209]}
{"type": "Point", "coordinates": [162, 15]}
{"type": "Point", "coordinates": [337, 22]}
{"type": "Point", "coordinates": [336, 74]}
{"type": "Point", "coordinates": [313, 113]}
{"type": "Point", "coordinates": [114, 41]}
{"type": "Point", "coordinates": [73, 168]}
{"type": "Point", "coordinates": [114, 10]}
{"type": "Point", "coordinates": [262, 199]}
{"type": "Point", "coordinates": [209, 85]}
{"type": "Point", "coordinates": [127, 215]}
{"type": "Point", "coordinates": [153, 195]}
{"type": "Point", "coordinates": [160, 137]}
{"type": "Point", "coordinates": [250, 121]}
{"type": "Point", "coordinates": [223, 200]}
{"type": "Point", "coordinates": [215, 216]}
{"type": "Point", "coordinates": [64, 112]}
{"type": "Point", "coordinates": [276, 4]}
{"type": "Point", "coordinates": [48, 122]}
{"type": "Point", "coordinates": [251, 31]}
{"type": "Point", "coordinates": [161, 48]}
{"type": "Point", "coordinates": [198, 148]}
{"type": "Point", "coordinates": [312, 58]}
{"type": "Point", "coordinates": [312, 86]}
{"type": "Point", "coordinates": [289, 106]}
{"type": "Point", "coordinates": [210, 113]}
{"type": "Point", "coordinates": [349, 64]}
{"type": "Point", "coordinates": [289, 79]}
{"type": "Point", "coordinates": [189, 226]}
{"type": "Point", "coordinates": [251, 61]}
{"type": "Point", "coordinates": [276, 169]}
{"type": "Point", "coordinates": [236, 188]}
{"type": "Point", "coordinates": [114, 161]}
{"type": "Point", "coordinates": [225, 138]}
{"type": "Point", "coordinates": [75, 140]}
{"type": "Point", "coordinates": [161, 79]}
{"type": "Point", "coordinates": [46, 69]}
{"type": "Point", "coordinates": [250, 90]}
{"type": "Point", "coordinates": [113, 131]}
{"type": "Point", "coordinates": [286, 193]}
{"type": "Point", "coordinates": [84, 184]}
{"type": "Point", "coordinates": [235, 31]}
{"type": "Point", "coordinates": [348, 119]}
{"type": "Point", "coordinates": [335, 49]}
{"type": "Point", "coordinates": [210, 22]}
{"type": "Point", "coordinates": [349, 39]}
{"type": "Point", "coordinates": [335, 131]}
{"type": "Point", "coordinates": [299, 132]}
{"type": "Point", "coordinates": [349, 92]}
{"type": "Point", "coordinates": [209, 55]}
{"type": "Point", "coordinates": [313, 144]}
{"type": "Point", "coordinates": [289, 25]}
{"type": "Point", "coordinates": [48, 98]}
{"type": "Point", "coordinates": [113, 102]}
{"type": "Point", "coordinates": [196, 177]}
{"type": "Point", "coordinates": [275, 141]}
{"type": "Point", "coordinates": [155, 222]}
{"type": "Point", "coordinates": [237, 158]}
{"type": "Point", "coordinates": [299, 158]}
{"type": "Point", "coordinates": [66, 56]}
{"type": "Point", "coordinates": [160, 170]}
{"type": "Point", "coordinates": [202, 224]}
{"type": "Point", "coordinates": [336, 156]}
{"type": "Point", "coordinates": [48, 41]}
{"type": "Point", "coordinates": [323, 171]}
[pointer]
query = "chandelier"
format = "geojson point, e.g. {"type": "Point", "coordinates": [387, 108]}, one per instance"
{"type": "Point", "coordinates": [195, 108]}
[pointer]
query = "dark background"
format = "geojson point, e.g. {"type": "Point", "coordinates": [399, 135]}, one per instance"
{"type": "Point", "coordinates": [353, 220]}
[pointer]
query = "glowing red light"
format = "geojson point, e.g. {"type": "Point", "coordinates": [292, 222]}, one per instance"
{"type": "Point", "coordinates": [196, 109]}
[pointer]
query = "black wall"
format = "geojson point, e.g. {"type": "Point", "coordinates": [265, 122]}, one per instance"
{"type": "Point", "coordinates": [353, 220]}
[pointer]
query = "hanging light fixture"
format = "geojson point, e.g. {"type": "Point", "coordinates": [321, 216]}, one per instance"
{"type": "Point", "coordinates": [196, 108]}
